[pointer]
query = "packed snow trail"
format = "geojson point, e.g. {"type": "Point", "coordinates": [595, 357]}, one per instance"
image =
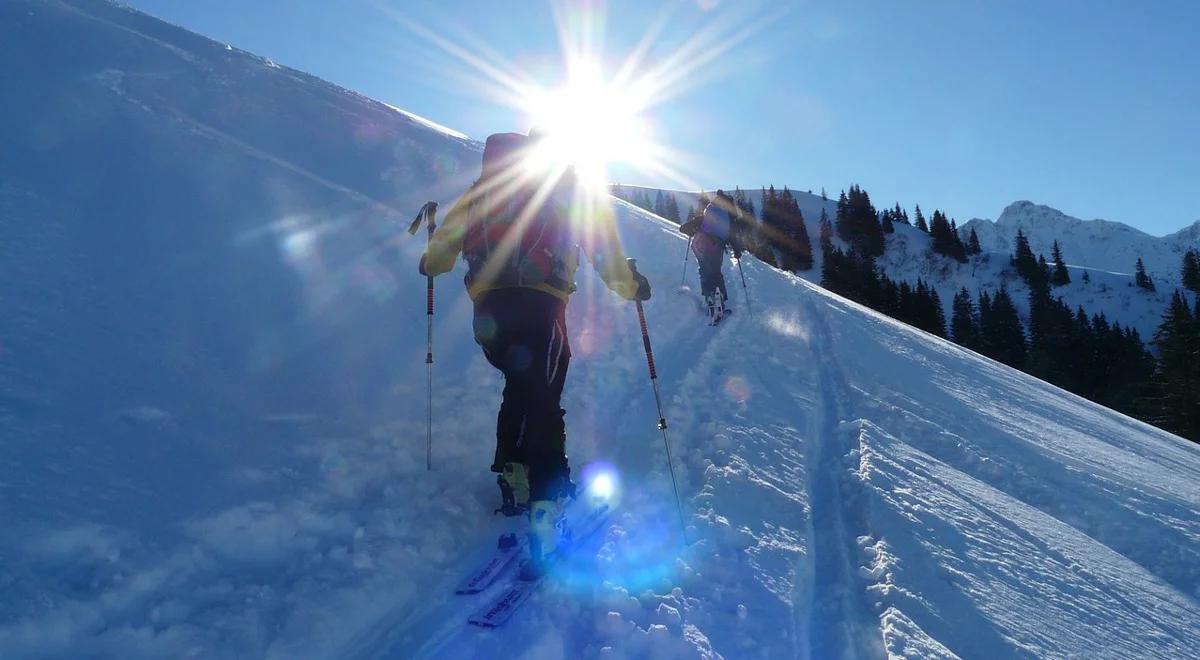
{"type": "Point", "coordinates": [840, 624]}
{"type": "Point", "coordinates": [212, 410]}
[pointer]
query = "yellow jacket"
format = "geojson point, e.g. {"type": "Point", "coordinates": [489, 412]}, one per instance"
{"type": "Point", "coordinates": [595, 233]}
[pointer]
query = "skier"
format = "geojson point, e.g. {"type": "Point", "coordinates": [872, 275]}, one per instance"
{"type": "Point", "coordinates": [718, 226]}
{"type": "Point", "coordinates": [520, 232]}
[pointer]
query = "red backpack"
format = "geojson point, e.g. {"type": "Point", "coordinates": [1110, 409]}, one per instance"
{"type": "Point", "coordinates": [508, 241]}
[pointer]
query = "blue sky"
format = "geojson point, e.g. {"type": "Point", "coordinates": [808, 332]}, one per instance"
{"type": "Point", "coordinates": [1090, 107]}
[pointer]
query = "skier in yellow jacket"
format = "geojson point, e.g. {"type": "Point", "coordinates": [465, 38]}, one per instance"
{"type": "Point", "coordinates": [520, 232]}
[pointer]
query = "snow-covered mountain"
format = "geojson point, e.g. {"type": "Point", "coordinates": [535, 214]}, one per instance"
{"type": "Point", "coordinates": [1097, 244]}
{"type": "Point", "coordinates": [212, 414]}
{"type": "Point", "coordinates": [1097, 247]}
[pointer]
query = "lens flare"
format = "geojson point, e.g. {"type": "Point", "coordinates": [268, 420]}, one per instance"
{"type": "Point", "coordinates": [737, 389]}
{"type": "Point", "coordinates": [603, 486]}
{"type": "Point", "coordinates": [601, 483]}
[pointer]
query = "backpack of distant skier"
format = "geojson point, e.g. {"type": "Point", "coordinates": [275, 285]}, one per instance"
{"type": "Point", "coordinates": [716, 221]}
{"type": "Point", "coordinates": [517, 234]}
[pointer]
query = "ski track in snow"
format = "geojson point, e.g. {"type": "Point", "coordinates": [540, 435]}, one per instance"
{"type": "Point", "coordinates": [841, 624]}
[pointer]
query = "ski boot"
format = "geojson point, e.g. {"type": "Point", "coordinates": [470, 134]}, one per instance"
{"type": "Point", "coordinates": [716, 307]}
{"type": "Point", "coordinates": [548, 532]}
{"type": "Point", "coordinates": [514, 489]}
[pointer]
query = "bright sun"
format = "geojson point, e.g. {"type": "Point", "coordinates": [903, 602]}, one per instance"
{"type": "Point", "coordinates": [599, 117]}
{"type": "Point", "coordinates": [589, 124]}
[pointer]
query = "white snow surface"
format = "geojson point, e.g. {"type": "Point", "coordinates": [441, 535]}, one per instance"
{"type": "Point", "coordinates": [212, 414]}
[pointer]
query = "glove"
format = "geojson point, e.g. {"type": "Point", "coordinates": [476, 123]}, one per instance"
{"type": "Point", "coordinates": [737, 253]}
{"type": "Point", "coordinates": [643, 286]}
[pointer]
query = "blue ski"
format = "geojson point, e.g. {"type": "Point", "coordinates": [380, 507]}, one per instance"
{"type": "Point", "coordinates": [500, 609]}
{"type": "Point", "coordinates": [508, 548]}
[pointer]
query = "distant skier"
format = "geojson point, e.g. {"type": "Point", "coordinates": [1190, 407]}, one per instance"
{"type": "Point", "coordinates": [718, 226]}
{"type": "Point", "coordinates": [520, 233]}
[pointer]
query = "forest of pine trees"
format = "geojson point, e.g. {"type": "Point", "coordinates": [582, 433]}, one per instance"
{"type": "Point", "coordinates": [1080, 352]}
{"type": "Point", "coordinates": [662, 205]}
{"type": "Point", "coordinates": [1097, 359]}
{"type": "Point", "coordinates": [1085, 354]}
{"type": "Point", "coordinates": [783, 236]}
{"type": "Point", "coordinates": [857, 223]}
{"type": "Point", "coordinates": [852, 273]}
{"type": "Point", "coordinates": [945, 237]}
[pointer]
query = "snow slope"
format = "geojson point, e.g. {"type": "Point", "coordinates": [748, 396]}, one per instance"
{"type": "Point", "coordinates": [212, 415]}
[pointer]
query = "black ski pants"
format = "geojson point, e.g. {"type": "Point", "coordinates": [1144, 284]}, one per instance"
{"type": "Point", "coordinates": [710, 256]}
{"type": "Point", "coordinates": [523, 333]}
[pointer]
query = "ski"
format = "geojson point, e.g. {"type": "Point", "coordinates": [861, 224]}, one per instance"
{"type": "Point", "coordinates": [500, 609]}
{"type": "Point", "coordinates": [720, 318]}
{"type": "Point", "coordinates": [508, 548]}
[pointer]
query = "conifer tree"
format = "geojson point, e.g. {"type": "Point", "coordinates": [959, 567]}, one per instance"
{"type": "Point", "coordinates": [826, 226]}
{"type": "Point", "coordinates": [973, 246]}
{"type": "Point", "coordinates": [1082, 357]}
{"type": "Point", "coordinates": [830, 256]}
{"type": "Point", "coordinates": [1023, 258]}
{"type": "Point", "coordinates": [1141, 278]}
{"type": "Point", "coordinates": [1177, 376]}
{"type": "Point", "coordinates": [945, 238]}
{"type": "Point", "coordinates": [960, 248]}
{"type": "Point", "coordinates": [786, 229]}
{"type": "Point", "coordinates": [937, 314]}
{"type": "Point", "coordinates": [964, 321]}
{"type": "Point", "coordinates": [920, 220]}
{"type": "Point", "coordinates": [1005, 339]}
{"type": "Point", "coordinates": [644, 202]}
{"type": "Point", "coordinates": [857, 223]}
{"type": "Point", "coordinates": [672, 209]}
{"type": "Point", "coordinates": [1060, 276]}
{"type": "Point", "coordinates": [1191, 271]}
{"type": "Point", "coordinates": [1043, 272]}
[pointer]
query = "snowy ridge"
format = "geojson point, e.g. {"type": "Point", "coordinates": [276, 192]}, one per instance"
{"type": "Point", "coordinates": [1097, 244]}
{"type": "Point", "coordinates": [212, 406]}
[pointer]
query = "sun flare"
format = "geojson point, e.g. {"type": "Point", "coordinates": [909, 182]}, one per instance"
{"type": "Point", "coordinates": [605, 111]}
{"type": "Point", "coordinates": [589, 123]}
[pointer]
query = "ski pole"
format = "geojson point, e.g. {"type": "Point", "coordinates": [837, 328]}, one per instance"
{"type": "Point", "coordinates": [745, 291]}
{"type": "Point", "coordinates": [428, 214]}
{"type": "Point", "coordinates": [662, 420]}
{"type": "Point", "coordinates": [683, 275]}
